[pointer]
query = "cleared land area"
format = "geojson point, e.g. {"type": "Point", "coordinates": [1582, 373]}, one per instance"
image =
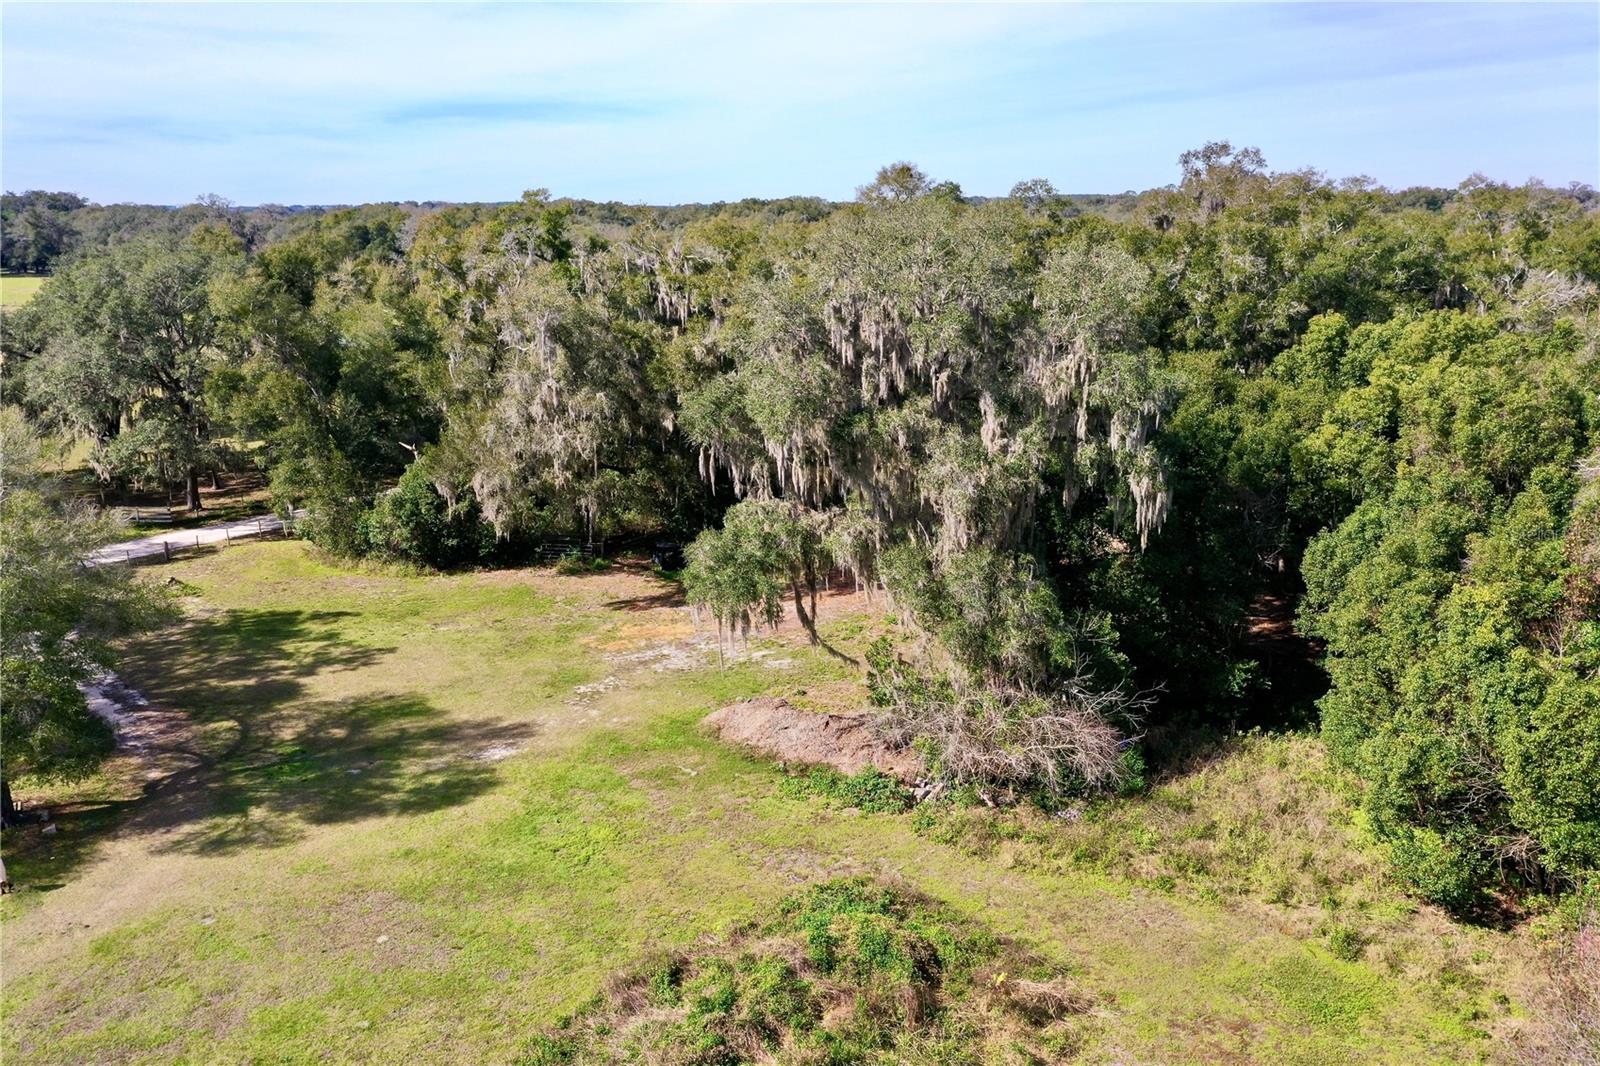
{"type": "Point", "coordinates": [18, 289]}
{"type": "Point", "coordinates": [422, 818]}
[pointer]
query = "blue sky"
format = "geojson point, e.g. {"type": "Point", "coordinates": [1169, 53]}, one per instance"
{"type": "Point", "coordinates": [309, 103]}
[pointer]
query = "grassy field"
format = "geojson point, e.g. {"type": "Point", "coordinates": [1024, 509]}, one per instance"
{"type": "Point", "coordinates": [422, 818]}
{"type": "Point", "coordinates": [17, 289]}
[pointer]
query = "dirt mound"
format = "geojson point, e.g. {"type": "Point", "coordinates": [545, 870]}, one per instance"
{"type": "Point", "coordinates": [844, 741]}
{"type": "Point", "coordinates": [844, 971]}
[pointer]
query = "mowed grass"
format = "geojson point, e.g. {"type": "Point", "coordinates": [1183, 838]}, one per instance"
{"type": "Point", "coordinates": [421, 818]}
{"type": "Point", "coordinates": [18, 289]}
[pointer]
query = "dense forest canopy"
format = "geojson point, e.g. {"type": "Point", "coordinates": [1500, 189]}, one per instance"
{"type": "Point", "coordinates": [1080, 442]}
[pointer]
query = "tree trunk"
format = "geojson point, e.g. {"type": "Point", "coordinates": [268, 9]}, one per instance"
{"type": "Point", "coordinates": [8, 809]}
{"type": "Point", "coordinates": [191, 489]}
{"type": "Point", "coordinates": [811, 585]}
{"type": "Point", "coordinates": [810, 623]}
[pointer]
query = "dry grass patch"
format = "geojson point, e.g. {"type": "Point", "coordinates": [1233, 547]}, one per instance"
{"type": "Point", "coordinates": [1564, 1027]}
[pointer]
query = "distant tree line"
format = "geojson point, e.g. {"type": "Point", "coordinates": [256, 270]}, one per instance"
{"type": "Point", "coordinates": [40, 231]}
{"type": "Point", "coordinates": [1084, 446]}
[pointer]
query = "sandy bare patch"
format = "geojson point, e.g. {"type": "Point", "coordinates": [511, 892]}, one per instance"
{"type": "Point", "coordinates": [844, 741]}
{"type": "Point", "coordinates": [668, 657]}
{"type": "Point", "coordinates": [666, 625]}
{"type": "Point", "coordinates": [496, 752]}
{"type": "Point", "coordinates": [158, 741]}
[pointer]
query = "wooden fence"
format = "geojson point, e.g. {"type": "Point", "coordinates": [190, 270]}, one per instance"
{"type": "Point", "coordinates": [174, 546]}
{"type": "Point", "coordinates": [554, 549]}
{"type": "Point", "coordinates": [146, 516]}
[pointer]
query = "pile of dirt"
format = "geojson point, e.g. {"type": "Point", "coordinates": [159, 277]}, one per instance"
{"type": "Point", "coordinates": [844, 741]}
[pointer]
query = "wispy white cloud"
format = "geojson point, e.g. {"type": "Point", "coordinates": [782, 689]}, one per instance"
{"type": "Point", "coordinates": [333, 103]}
{"type": "Point", "coordinates": [516, 109]}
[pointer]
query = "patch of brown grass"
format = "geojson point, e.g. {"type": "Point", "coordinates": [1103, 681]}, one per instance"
{"type": "Point", "coordinates": [1564, 1026]}
{"type": "Point", "coordinates": [1262, 824]}
{"type": "Point", "coordinates": [659, 626]}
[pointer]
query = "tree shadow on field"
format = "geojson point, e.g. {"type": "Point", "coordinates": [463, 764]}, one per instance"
{"type": "Point", "coordinates": [267, 763]}
{"type": "Point", "coordinates": [243, 662]}
{"type": "Point", "coordinates": [671, 597]}
{"type": "Point", "coordinates": [665, 593]}
{"type": "Point", "coordinates": [230, 754]}
{"type": "Point", "coordinates": [342, 761]}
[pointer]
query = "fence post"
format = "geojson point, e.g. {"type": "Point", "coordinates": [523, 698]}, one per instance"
{"type": "Point", "coordinates": [166, 546]}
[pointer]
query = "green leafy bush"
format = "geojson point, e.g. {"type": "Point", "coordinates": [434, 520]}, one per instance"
{"type": "Point", "coordinates": [1346, 943]}
{"type": "Point", "coordinates": [872, 790]}
{"type": "Point", "coordinates": [1454, 603]}
{"type": "Point", "coordinates": [413, 524]}
{"type": "Point", "coordinates": [575, 562]}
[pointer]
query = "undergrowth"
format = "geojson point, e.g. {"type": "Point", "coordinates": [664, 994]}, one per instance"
{"type": "Point", "coordinates": [577, 563]}
{"type": "Point", "coordinates": [1264, 817]}
{"type": "Point", "coordinates": [1261, 821]}
{"type": "Point", "coordinates": [848, 971]}
{"type": "Point", "coordinates": [1564, 1026]}
{"type": "Point", "coordinates": [872, 790]}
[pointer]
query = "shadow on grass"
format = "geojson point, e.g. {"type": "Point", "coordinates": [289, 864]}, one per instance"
{"type": "Point", "coordinates": [668, 593]}
{"type": "Point", "coordinates": [342, 761]}
{"type": "Point", "coordinates": [37, 861]}
{"type": "Point", "coordinates": [249, 762]}
{"type": "Point", "coordinates": [244, 659]}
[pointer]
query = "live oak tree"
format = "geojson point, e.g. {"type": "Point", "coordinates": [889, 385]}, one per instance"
{"type": "Point", "coordinates": [327, 357]}
{"type": "Point", "coordinates": [127, 343]}
{"type": "Point", "coordinates": [766, 552]}
{"type": "Point", "coordinates": [559, 405]}
{"type": "Point", "coordinates": [36, 229]}
{"type": "Point", "coordinates": [913, 368]}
